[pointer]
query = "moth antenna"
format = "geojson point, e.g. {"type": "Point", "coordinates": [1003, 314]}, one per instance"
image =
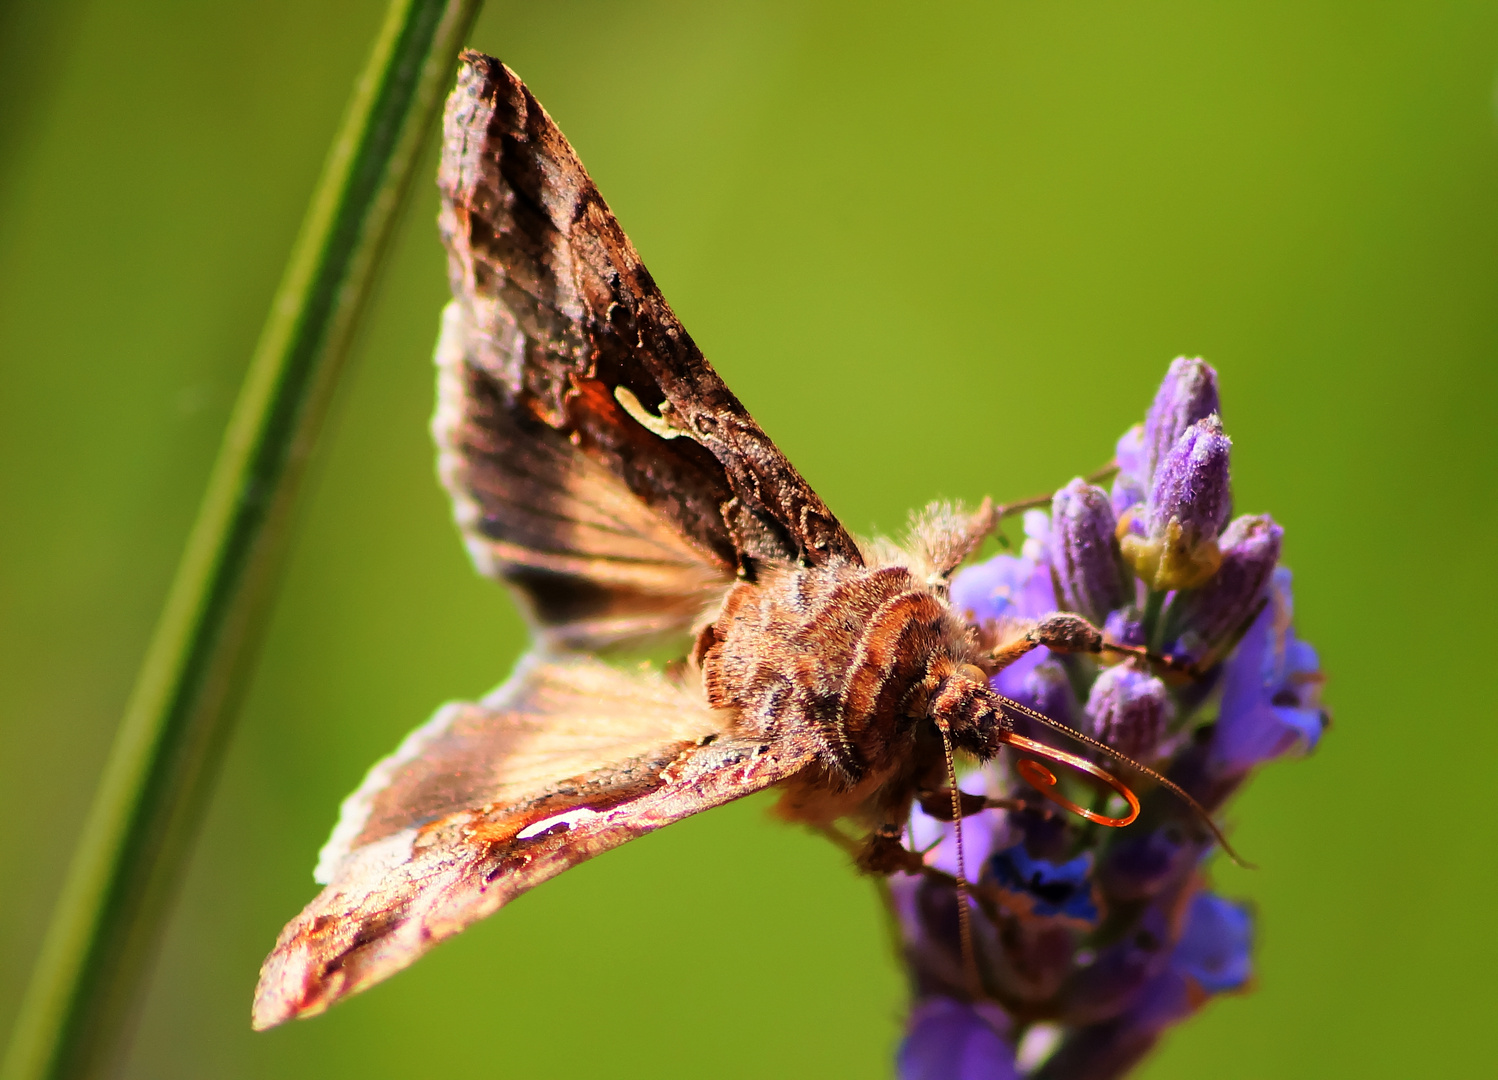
{"type": "Point", "coordinates": [1112, 782]}
{"type": "Point", "coordinates": [964, 917]}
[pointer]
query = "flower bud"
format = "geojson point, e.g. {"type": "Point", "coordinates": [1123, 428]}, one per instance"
{"type": "Point", "coordinates": [1129, 710]}
{"type": "Point", "coordinates": [1250, 549]}
{"type": "Point", "coordinates": [1188, 394]}
{"type": "Point", "coordinates": [1189, 503]}
{"type": "Point", "coordinates": [1084, 550]}
{"type": "Point", "coordinates": [1191, 482]}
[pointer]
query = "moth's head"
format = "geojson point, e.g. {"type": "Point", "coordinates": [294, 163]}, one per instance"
{"type": "Point", "coordinates": [966, 707]}
{"type": "Point", "coordinates": [972, 717]}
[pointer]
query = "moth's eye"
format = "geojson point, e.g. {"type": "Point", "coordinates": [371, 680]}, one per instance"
{"type": "Point", "coordinates": [973, 673]}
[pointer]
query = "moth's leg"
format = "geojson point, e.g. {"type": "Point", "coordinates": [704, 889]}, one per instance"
{"type": "Point", "coordinates": [999, 511]}
{"type": "Point", "coordinates": [1064, 632]}
{"type": "Point", "coordinates": [938, 804]}
{"type": "Point", "coordinates": [884, 853]}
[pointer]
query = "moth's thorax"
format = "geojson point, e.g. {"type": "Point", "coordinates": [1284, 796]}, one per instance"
{"type": "Point", "coordinates": [847, 656]}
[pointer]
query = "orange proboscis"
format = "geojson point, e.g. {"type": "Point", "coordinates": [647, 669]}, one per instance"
{"type": "Point", "coordinates": [1044, 781]}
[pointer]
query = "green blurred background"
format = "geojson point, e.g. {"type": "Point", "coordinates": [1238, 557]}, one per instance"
{"type": "Point", "coordinates": [938, 250]}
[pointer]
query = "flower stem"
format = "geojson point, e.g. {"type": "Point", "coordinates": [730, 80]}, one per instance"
{"type": "Point", "coordinates": [138, 833]}
{"type": "Point", "coordinates": [1154, 605]}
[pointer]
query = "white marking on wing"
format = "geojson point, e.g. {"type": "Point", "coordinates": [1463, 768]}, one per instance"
{"type": "Point", "coordinates": [569, 819]}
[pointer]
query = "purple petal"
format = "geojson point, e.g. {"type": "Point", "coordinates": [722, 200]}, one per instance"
{"type": "Point", "coordinates": [1005, 586]}
{"type": "Point", "coordinates": [1267, 708]}
{"type": "Point", "coordinates": [1216, 947]}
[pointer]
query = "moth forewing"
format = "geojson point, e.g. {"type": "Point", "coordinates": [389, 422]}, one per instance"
{"type": "Point", "coordinates": [590, 563]}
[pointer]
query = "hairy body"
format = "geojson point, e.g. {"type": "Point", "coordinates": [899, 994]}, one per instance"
{"type": "Point", "coordinates": [851, 660]}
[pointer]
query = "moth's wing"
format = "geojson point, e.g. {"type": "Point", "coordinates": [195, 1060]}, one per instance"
{"type": "Point", "coordinates": [570, 334]}
{"type": "Point", "coordinates": [568, 759]}
{"type": "Point", "coordinates": [591, 563]}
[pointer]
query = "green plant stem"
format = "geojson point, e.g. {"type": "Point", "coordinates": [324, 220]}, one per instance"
{"type": "Point", "coordinates": [88, 980]}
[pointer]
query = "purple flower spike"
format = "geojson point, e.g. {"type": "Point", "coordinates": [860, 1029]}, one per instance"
{"type": "Point", "coordinates": [1250, 550]}
{"type": "Point", "coordinates": [1090, 944]}
{"type": "Point", "coordinates": [1189, 504]}
{"type": "Point", "coordinates": [954, 1040]}
{"type": "Point", "coordinates": [1084, 550]}
{"type": "Point", "coordinates": [1129, 710]}
{"type": "Point", "coordinates": [1188, 394]}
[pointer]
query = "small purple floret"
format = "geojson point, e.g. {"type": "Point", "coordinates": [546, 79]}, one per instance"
{"type": "Point", "coordinates": [1041, 888]}
{"type": "Point", "coordinates": [1010, 586]}
{"type": "Point", "coordinates": [1271, 701]}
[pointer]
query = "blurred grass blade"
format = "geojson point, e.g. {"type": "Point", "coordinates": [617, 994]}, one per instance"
{"type": "Point", "coordinates": [87, 984]}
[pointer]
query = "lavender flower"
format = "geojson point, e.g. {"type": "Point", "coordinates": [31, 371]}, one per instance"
{"type": "Point", "coordinates": [1096, 941]}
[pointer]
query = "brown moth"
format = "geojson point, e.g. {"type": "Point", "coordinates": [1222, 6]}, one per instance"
{"type": "Point", "coordinates": [601, 468]}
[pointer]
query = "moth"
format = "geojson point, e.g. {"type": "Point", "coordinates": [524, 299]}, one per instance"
{"type": "Point", "coordinates": [600, 467]}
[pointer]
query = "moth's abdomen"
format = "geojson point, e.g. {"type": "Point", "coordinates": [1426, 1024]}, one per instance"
{"type": "Point", "coordinates": [842, 656]}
